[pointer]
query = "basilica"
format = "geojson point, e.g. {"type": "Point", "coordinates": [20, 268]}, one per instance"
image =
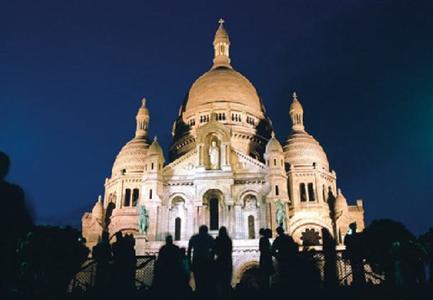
{"type": "Point", "coordinates": [225, 167]}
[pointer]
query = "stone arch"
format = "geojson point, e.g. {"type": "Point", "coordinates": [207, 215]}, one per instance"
{"type": "Point", "coordinates": [172, 196]}
{"type": "Point", "coordinates": [248, 191]}
{"type": "Point", "coordinates": [217, 129]}
{"type": "Point", "coordinates": [177, 216]}
{"type": "Point", "coordinates": [240, 271]}
{"type": "Point", "coordinates": [296, 231]}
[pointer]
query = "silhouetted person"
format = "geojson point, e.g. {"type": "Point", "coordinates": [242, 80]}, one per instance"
{"type": "Point", "coordinates": [102, 254]}
{"type": "Point", "coordinates": [185, 271]}
{"type": "Point", "coordinates": [168, 271]}
{"type": "Point", "coordinates": [15, 223]}
{"type": "Point", "coordinates": [353, 242]}
{"type": "Point", "coordinates": [330, 256]}
{"type": "Point", "coordinates": [200, 246]}
{"type": "Point", "coordinates": [124, 262]}
{"type": "Point", "coordinates": [266, 266]}
{"type": "Point", "coordinates": [223, 263]}
{"type": "Point", "coordinates": [284, 248]}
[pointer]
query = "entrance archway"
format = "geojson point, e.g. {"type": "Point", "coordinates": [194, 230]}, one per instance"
{"type": "Point", "coordinates": [248, 274]}
{"type": "Point", "coordinates": [213, 214]}
{"type": "Point", "coordinates": [213, 201]}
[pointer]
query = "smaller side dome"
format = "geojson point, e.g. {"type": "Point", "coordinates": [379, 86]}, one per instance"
{"type": "Point", "coordinates": [302, 149]}
{"type": "Point", "coordinates": [155, 148]}
{"type": "Point", "coordinates": [98, 209]}
{"type": "Point", "coordinates": [340, 204]}
{"type": "Point", "coordinates": [273, 145]}
{"type": "Point", "coordinates": [132, 157]}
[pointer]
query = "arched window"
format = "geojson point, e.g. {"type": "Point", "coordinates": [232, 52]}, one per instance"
{"type": "Point", "coordinates": [302, 192]}
{"type": "Point", "coordinates": [275, 162]}
{"type": "Point", "coordinates": [152, 166]}
{"type": "Point", "coordinates": [150, 194]}
{"type": "Point", "coordinates": [277, 190]}
{"type": "Point", "coordinates": [213, 214]}
{"type": "Point", "coordinates": [310, 237]}
{"type": "Point", "coordinates": [311, 195]}
{"type": "Point", "coordinates": [251, 228]}
{"type": "Point", "coordinates": [135, 195]}
{"type": "Point", "coordinates": [109, 211]}
{"type": "Point", "coordinates": [177, 228]}
{"type": "Point", "coordinates": [127, 200]}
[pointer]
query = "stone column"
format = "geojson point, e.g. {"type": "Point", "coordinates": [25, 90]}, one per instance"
{"type": "Point", "coordinates": [238, 222]}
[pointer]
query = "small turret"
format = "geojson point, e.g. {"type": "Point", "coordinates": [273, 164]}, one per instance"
{"type": "Point", "coordinates": [221, 46]}
{"type": "Point", "coordinates": [142, 120]}
{"type": "Point", "coordinates": [296, 114]}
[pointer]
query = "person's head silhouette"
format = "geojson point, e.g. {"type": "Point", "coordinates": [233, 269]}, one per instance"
{"type": "Point", "coordinates": [203, 229]}
{"type": "Point", "coordinates": [280, 230]}
{"type": "Point", "coordinates": [262, 231]}
{"type": "Point", "coordinates": [4, 165]}
{"type": "Point", "coordinates": [222, 231]}
{"type": "Point", "coordinates": [169, 240]}
{"type": "Point", "coordinates": [267, 233]}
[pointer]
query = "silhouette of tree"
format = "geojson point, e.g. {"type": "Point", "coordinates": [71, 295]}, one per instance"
{"type": "Point", "coordinates": [15, 223]}
{"type": "Point", "coordinates": [426, 241]}
{"type": "Point", "coordinates": [388, 249]}
{"type": "Point", "coordinates": [49, 257]}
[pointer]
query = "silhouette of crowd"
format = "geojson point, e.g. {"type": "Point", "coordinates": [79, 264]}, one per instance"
{"type": "Point", "coordinates": [39, 262]}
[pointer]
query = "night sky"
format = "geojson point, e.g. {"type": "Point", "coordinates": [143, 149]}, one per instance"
{"type": "Point", "coordinates": [72, 74]}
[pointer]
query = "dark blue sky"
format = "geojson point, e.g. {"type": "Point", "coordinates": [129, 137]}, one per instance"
{"type": "Point", "coordinates": [72, 74]}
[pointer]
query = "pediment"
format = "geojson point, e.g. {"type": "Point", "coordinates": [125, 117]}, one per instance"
{"type": "Point", "coordinates": [241, 162]}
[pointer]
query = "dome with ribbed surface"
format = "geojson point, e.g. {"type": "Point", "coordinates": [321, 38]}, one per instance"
{"type": "Point", "coordinates": [132, 157]}
{"type": "Point", "coordinates": [273, 145]}
{"type": "Point", "coordinates": [302, 149]}
{"type": "Point", "coordinates": [222, 85]}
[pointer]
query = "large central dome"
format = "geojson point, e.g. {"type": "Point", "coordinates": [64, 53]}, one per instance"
{"type": "Point", "coordinates": [228, 95]}
{"type": "Point", "coordinates": [223, 84]}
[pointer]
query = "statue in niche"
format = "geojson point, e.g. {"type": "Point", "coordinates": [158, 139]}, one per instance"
{"type": "Point", "coordinates": [214, 156]}
{"type": "Point", "coordinates": [143, 220]}
{"type": "Point", "coordinates": [250, 202]}
{"type": "Point", "coordinates": [280, 214]}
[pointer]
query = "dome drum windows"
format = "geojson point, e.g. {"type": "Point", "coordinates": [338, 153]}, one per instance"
{"type": "Point", "coordinates": [191, 122]}
{"type": "Point", "coordinates": [204, 118]}
{"type": "Point", "coordinates": [131, 197]}
{"type": "Point", "coordinates": [236, 117]}
{"type": "Point", "coordinates": [250, 120]}
{"type": "Point", "coordinates": [306, 192]}
{"type": "Point", "coordinates": [221, 116]}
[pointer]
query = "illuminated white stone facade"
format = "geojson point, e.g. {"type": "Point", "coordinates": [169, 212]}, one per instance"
{"type": "Point", "coordinates": [226, 168]}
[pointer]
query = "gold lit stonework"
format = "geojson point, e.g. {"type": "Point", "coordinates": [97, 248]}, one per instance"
{"type": "Point", "coordinates": [224, 161]}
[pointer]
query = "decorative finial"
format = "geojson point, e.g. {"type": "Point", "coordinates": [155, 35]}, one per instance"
{"type": "Point", "coordinates": [99, 198]}
{"type": "Point", "coordinates": [221, 21]}
{"type": "Point", "coordinates": [155, 138]}
{"type": "Point", "coordinates": [143, 102]}
{"type": "Point", "coordinates": [295, 97]}
{"type": "Point", "coordinates": [273, 134]}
